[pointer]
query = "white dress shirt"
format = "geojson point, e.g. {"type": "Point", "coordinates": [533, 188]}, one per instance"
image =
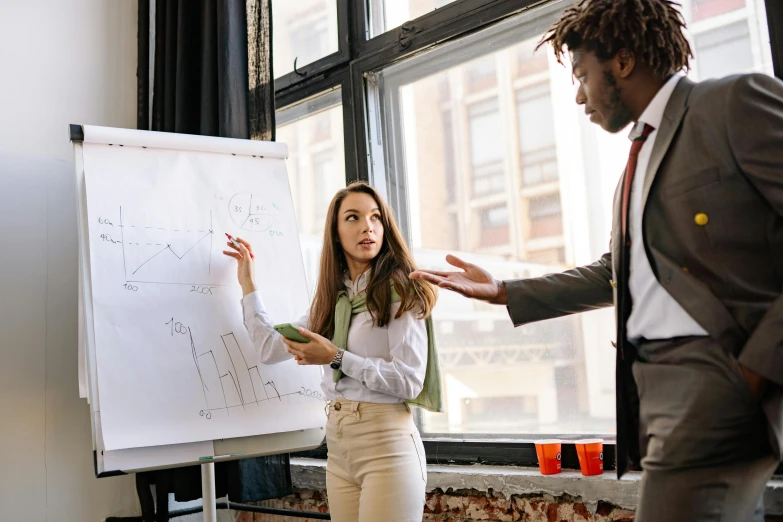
{"type": "Point", "coordinates": [655, 314]}
{"type": "Point", "coordinates": [384, 365]}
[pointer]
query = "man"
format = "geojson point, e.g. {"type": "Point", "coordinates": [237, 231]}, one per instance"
{"type": "Point", "coordinates": [695, 268]}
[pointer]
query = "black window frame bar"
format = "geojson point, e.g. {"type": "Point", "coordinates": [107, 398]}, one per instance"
{"type": "Point", "coordinates": [327, 62]}
{"type": "Point", "coordinates": [357, 57]}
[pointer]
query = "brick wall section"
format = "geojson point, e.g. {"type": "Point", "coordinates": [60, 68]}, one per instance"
{"type": "Point", "coordinates": [464, 506]}
{"type": "Point", "coordinates": [467, 506]}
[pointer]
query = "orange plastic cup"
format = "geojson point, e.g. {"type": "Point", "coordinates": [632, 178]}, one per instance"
{"type": "Point", "coordinates": [591, 456]}
{"type": "Point", "coordinates": [549, 456]}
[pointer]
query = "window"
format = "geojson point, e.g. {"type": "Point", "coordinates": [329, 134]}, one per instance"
{"type": "Point", "coordinates": [486, 151]}
{"type": "Point", "coordinates": [728, 37]}
{"type": "Point", "coordinates": [305, 30]}
{"type": "Point", "coordinates": [723, 51]}
{"type": "Point", "coordinates": [545, 215]}
{"type": "Point", "coordinates": [494, 226]}
{"type": "Point", "coordinates": [474, 138]}
{"type": "Point", "coordinates": [316, 168]}
{"type": "Point", "coordinates": [538, 160]}
{"type": "Point", "coordinates": [703, 9]}
{"type": "Point", "coordinates": [481, 75]}
{"type": "Point", "coordinates": [547, 256]}
{"type": "Point", "coordinates": [448, 157]}
{"type": "Point", "coordinates": [386, 15]}
{"type": "Point", "coordinates": [509, 213]}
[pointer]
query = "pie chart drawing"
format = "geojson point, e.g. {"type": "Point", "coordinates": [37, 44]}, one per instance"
{"type": "Point", "coordinates": [253, 212]}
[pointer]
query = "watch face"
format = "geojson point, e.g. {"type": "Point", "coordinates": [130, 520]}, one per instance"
{"type": "Point", "coordinates": [335, 366]}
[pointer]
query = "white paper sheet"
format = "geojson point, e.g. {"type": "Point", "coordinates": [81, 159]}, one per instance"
{"type": "Point", "coordinates": [152, 457]}
{"type": "Point", "coordinates": [174, 361]}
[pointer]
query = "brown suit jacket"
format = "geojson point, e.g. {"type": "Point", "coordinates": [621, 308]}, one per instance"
{"type": "Point", "coordinates": [719, 152]}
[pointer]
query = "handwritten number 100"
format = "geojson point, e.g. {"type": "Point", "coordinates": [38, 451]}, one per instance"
{"type": "Point", "coordinates": [177, 327]}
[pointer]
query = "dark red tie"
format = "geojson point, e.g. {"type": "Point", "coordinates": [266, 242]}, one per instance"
{"type": "Point", "coordinates": [630, 169]}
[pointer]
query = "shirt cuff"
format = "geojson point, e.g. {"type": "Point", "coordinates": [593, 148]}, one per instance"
{"type": "Point", "coordinates": [252, 305]}
{"type": "Point", "coordinates": [352, 365]}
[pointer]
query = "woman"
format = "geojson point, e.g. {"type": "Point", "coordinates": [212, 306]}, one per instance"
{"type": "Point", "coordinates": [376, 468]}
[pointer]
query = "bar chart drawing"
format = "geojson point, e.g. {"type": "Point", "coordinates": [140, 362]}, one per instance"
{"type": "Point", "coordinates": [228, 382]}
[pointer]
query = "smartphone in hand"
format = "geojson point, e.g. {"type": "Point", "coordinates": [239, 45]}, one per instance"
{"type": "Point", "coordinates": [291, 332]}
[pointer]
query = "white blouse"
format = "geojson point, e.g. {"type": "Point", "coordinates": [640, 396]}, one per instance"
{"type": "Point", "coordinates": [381, 365]}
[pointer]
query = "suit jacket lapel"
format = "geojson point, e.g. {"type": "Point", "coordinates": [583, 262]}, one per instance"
{"type": "Point", "coordinates": [672, 117]}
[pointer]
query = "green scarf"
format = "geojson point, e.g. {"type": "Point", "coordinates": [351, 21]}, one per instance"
{"type": "Point", "coordinates": [431, 396]}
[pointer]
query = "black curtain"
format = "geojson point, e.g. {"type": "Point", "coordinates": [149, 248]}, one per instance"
{"type": "Point", "coordinates": [213, 68]}
{"type": "Point", "coordinates": [212, 71]}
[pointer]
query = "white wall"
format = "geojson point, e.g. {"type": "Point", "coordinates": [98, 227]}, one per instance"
{"type": "Point", "coordinates": [61, 62]}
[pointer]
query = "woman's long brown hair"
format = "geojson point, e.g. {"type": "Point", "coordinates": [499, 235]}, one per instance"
{"type": "Point", "coordinates": [393, 263]}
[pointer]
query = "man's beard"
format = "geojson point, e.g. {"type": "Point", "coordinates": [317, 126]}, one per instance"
{"type": "Point", "coordinates": [619, 113]}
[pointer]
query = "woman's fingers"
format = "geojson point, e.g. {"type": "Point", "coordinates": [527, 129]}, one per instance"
{"type": "Point", "coordinates": [232, 245]}
{"type": "Point", "coordinates": [245, 244]}
{"type": "Point", "coordinates": [312, 336]}
{"type": "Point", "coordinates": [296, 353]}
{"type": "Point", "coordinates": [236, 256]}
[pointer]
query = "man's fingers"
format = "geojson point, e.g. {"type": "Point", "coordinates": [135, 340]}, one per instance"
{"type": "Point", "coordinates": [459, 263]}
{"type": "Point", "coordinates": [460, 289]}
{"type": "Point", "coordinates": [429, 277]}
{"type": "Point", "coordinates": [439, 273]}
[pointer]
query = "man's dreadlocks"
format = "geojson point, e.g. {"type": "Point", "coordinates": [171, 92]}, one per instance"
{"type": "Point", "coordinates": [651, 29]}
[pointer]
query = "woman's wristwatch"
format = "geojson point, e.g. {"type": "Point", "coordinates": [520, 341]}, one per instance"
{"type": "Point", "coordinates": [337, 362]}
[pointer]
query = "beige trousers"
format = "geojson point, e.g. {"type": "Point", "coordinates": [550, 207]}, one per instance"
{"type": "Point", "coordinates": [376, 469]}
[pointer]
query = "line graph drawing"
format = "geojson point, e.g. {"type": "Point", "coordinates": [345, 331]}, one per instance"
{"type": "Point", "coordinates": [253, 212]}
{"type": "Point", "coordinates": [167, 255]}
{"type": "Point", "coordinates": [229, 383]}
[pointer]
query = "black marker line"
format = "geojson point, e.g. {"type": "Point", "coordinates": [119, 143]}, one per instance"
{"type": "Point", "coordinates": [150, 259]}
{"type": "Point", "coordinates": [241, 395]}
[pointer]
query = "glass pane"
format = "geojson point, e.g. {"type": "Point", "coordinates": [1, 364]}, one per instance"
{"type": "Point", "coordinates": [305, 30]}
{"type": "Point", "coordinates": [503, 169]}
{"type": "Point", "coordinates": [390, 14]}
{"type": "Point", "coordinates": [316, 170]}
{"type": "Point", "coordinates": [703, 9]}
{"type": "Point", "coordinates": [728, 37]}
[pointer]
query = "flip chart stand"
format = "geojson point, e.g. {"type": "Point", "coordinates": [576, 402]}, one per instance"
{"type": "Point", "coordinates": [208, 492]}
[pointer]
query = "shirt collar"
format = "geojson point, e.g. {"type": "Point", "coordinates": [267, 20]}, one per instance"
{"type": "Point", "coordinates": [357, 286]}
{"type": "Point", "coordinates": [653, 114]}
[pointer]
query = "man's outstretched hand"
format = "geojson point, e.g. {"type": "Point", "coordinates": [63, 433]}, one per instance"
{"type": "Point", "coordinates": [473, 281]}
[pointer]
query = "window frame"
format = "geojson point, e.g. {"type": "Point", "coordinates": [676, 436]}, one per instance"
{"type": "Point", "coordinates": [351, 69]}
{"type": "Point", "coordinates": [326, 63]}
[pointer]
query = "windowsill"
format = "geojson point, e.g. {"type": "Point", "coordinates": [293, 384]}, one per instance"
{"type": "Point", "coordinates": [509, 480]}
